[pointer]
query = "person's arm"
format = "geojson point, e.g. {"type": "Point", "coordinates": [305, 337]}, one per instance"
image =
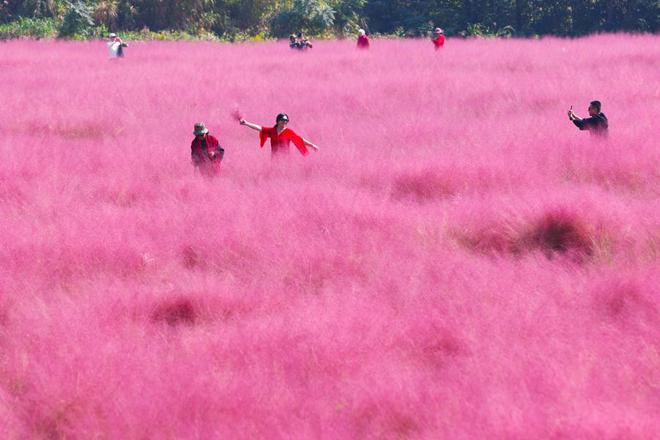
{"type": "Point", "coordinates": [573, 117]}
{"type": "Point", "coordinates": [310, 144]}
{"type": "Point", "coordinates": [219, 152]}
{"type": "Point", "coordinates": [250, 125]}
{"type": "Point", "coordinates": [578, 121]}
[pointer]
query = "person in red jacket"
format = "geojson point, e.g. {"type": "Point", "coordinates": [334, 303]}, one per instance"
{"type": "Point", "coordinates": [438, 38]}
{"type": "Point", "coordinates": [206, 152]}
{"type": "Point", "coordinates": [280, 136]}
{"type": "Point", "coordinates": [363, 40]}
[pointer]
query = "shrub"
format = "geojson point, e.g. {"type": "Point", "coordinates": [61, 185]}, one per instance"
{"type": "Point", "coordinates": [29, 27]}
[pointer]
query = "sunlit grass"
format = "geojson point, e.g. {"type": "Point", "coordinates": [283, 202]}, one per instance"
{"type": "Point", "coordinates": [457, 261]}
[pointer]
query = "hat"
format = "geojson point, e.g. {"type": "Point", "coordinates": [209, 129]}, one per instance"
{"type": "Point", "coordinates": [361, 32]}
{"type": "Point", "coordinates": [282, 117]}
{"type": "Point", "coordinates": [200, 129]}
{"type": "Point", "coordinates": [439, 31]}
{"type": "Point", "coordinates": [112, 35]}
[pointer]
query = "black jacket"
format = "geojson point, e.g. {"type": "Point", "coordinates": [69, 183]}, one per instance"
{"type": "Point", "coordinates": [595, 124]}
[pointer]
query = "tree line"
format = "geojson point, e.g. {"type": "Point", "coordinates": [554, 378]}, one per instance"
{"type": "Point", "coordinates": [278, 18]}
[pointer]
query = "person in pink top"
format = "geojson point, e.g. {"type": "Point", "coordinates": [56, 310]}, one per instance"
{"type": "Point", "coordinates": [280, 136]}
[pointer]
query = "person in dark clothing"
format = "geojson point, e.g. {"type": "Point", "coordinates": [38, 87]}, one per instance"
{"type": "Point", "coordinates": [206, 152]}
{"type": "Point", "coordinates": [293, 43]}
{"type": "Point", "coordinates": [596, 123]}
{"type": "Point", "coordinates": [303, 42]}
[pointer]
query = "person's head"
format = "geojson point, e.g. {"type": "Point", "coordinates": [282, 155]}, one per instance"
{"type": "Point", "coordinates": [200, 130]}
{"type": "Point", "coordinates": [439, 31]}
{"type": "Point", "coordinates": [282, 120]}
{"type": "Point", "coordinates": [361, 32]}
{"type": "Point", "coordinates": [594, 108]}
{"type": "Point", "coordinates": [301, 35]}
{"type": "Point", "coordinates": [112, 36]}
{"type": "Point", "coordinates": [292, 38]}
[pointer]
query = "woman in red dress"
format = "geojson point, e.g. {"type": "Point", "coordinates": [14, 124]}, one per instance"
{"type": "Point", "coordinates": [280, 136]}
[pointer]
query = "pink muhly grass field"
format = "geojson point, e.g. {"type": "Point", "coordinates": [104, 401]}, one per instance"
{"type": "Point", "coordinates": [458, 261]}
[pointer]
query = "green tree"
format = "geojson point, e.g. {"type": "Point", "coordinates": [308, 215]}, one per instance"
{"type": "Point", "coordinates": [27, 8]}
{"type": "Point", "coordinates": [77, 19]}
{"type": "Point", "coordinates": [281, 17]}
{"type": "Point", "coordinates": [311, 16]}
{"type": "Point", "coordinates": [348, 15]}
{"type": "Point", "coordinates": [160, 15]}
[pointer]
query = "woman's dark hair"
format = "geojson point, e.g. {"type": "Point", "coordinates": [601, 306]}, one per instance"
{"type": "Point", "coordinates": [596, 105]}
{"type": "Point", "coordinates": [282, 117]}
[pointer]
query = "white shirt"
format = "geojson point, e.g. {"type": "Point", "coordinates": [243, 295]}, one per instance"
{"type": "Point", "coordinates": [113, 48]}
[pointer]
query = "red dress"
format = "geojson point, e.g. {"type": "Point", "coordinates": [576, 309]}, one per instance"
{"type": "Point", "coordinates": [439, 41]}
{"type": "Point", "coordinates": [279, 143]}
{"type": "Point", "coordinates": [363, 42]}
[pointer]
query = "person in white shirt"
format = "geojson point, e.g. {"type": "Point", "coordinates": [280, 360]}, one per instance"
{"type": "Point", "coordinates": [116, 46]}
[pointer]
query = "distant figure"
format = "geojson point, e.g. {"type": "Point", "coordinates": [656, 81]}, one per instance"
{"type": "Point", "coordinates": [303, 43]}
{"type": "Point", "coordinates": [293, 42]}
{"type": "Point", "coordinates": [438, 38]}
{"type": "Point", "coordinates": [206, 152]}
{"type": "Point", "coordinates": [363, 40]}
{"type": "Point", "coordinates": [596, 123]}
{"type": "Point", "coordinates": [280, 136]}
{"type": "Point", "coordinates": [116, 46]}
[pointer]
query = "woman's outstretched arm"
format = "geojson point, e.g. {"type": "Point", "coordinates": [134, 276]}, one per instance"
{"type": "Point", "coordinates": [310, 144]}
{"type": "Point", "coordinates": [250, 124]}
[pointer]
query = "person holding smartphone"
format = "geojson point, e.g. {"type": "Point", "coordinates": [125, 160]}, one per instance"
{"type": "Point", "coordinates": [596, 123]}
{"type": "Point", "coordinates": [116, 46]}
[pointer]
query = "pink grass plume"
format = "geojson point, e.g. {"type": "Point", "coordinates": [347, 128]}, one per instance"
{"type": "Point", "coordinates": [460, 262]}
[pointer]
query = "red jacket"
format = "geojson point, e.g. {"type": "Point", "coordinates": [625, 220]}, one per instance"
{"type": "Point", "coordinates": [363, 42]}
{"type": "Point", "coordinates": [439, 41]}
{"type": "Point", "coordinates": [206, 154]}
{"type": "Point", "coordinates": [279, 143]}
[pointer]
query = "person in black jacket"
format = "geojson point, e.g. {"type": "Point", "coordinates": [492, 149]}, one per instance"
{"type": "Point", "coordinates": [596, 123]}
